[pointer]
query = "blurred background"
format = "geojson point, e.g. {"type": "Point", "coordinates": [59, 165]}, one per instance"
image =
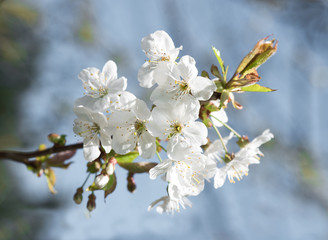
{"type": "Point", "coordinates": [45, 44]}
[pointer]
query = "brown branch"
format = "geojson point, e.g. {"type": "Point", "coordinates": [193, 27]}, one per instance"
{"type": "Point", "coordinates": [23, 157]}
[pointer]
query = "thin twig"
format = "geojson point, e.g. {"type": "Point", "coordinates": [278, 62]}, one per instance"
{"type": "Point", "coordinates": [23, 157]}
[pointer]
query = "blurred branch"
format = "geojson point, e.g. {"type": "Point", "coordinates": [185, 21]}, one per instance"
{"type": "Point", "coordinates": [23, 157]}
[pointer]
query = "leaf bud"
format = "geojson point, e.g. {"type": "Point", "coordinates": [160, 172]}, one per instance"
{"type": "Point", "coordinates": [91, 205]}
{"type": "Point", "coordinates": [78, 195]}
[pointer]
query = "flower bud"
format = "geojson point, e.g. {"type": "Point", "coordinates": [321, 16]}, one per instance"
{"type": "Point", "coordinates": [78, 196]}
{"type": "Point", "coordinates": [94, 166]}
{"type": "Point", "coordinates": [110, 168]}
{"type": "Point", "coordinates": [101, 180]}
{"type": "Point", "coordinates": [58, 140]}
{"type": "Point", "coordinates": [131, 183]}
{"type": "Point", "coordinates": [91, 205]}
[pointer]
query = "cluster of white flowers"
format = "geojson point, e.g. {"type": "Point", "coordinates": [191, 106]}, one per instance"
{"type": "Point", "coordinates": [111, 118]}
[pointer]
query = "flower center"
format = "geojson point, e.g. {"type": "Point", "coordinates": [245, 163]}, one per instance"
{"type": "Point", "coordinates": [88, 130]}
{"type": "Point", "coordinates": [139, 127]}
{"type": "Point", "coordinates": [182, 88]}
{"type": "Point", "coordinates": [176, 128]}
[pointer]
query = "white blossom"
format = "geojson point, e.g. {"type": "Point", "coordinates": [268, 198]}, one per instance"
{"type": "Point", "coordinates": [187, 171]}
{"type": "Point", "coordinates": [92, 127]}
{"type": "Point", "coordinates": [180, 83]}
{"type": "Point", "coordinates": [102, 88]}
{"type": "Point", "coordinates": [215, 151]}
{"type": "Point", "coordinates": [238, 166]}
{"type": "Point", "coordinates": [177, 124]}
{"type": "Point", "coordinates": [170, 205]}
{"type": "Point", "coordinates": [129, 131]}
{"type": "Point", "coordinates": [159, 48]}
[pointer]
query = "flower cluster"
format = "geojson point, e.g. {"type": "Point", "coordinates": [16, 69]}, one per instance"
{"type": "Point", "coordinates": [110, 119]}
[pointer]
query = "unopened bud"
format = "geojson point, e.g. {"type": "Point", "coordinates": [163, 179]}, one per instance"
{"type": "Point", "coordinates": [131, 183]}
{"type": "Point", "coordinates": [91, 205]}
{"type": "Point", "coordinates": [58, 140]}
{"type": "Point", "coordinates": [110, 168]}
{"type": "Point", "coordinates": [78, 196]}
{"type": "Point", "coordinates": [101, 180]}
{"type": "Point", "coordinates": [94, 166]}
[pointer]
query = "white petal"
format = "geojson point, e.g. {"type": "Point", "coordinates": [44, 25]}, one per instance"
{"type": "Point", "coordinates": [159, 123]}
{"type": "Point", "coordinates": [100, 119]}
{"type": "Point", "coordinates": [187, 67]}
{"type": "Point", "coordinates": [160, 168]}
{"type": "Point", "coordinates": [219, 178]}
{"type": "Point", "coordinates": [121, 119]}
{"type": "Point", "coordinates": [196, 132]}
{"type": "Point", "coordinates": [147, 145]}
{"type": "Point", "coordinates": [141, 110]}
{"type": "Point", "coordinates": [202, 88]}
{"type": "Point", "coordinates": [166, 73]}
{"type": "Point", "coordinates": [94, 104]}
{"type": "Point", "coordinates": [106, 141]}
{"type": "Point", "coordinates": [124, 140]}
{"type": "Point", "coordinates": [125, 101]}
{"type": "Point", "coordinates": [221, 115]}
{"type": "Point", "coordinates": [145, 75]}
{"type": "Point", "coordinates": [91, 150]}
{"type": "Point", "coordinates": [110, 71]}
{"type": "Point", "coordinates": [117, 86]}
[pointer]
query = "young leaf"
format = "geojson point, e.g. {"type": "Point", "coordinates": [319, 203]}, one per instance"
{"type": "Point", "coordinates": [111, 185]}
{"type": "Point", "coordinates": [255, 58]}
{"type": "Point", "coordinates": [127, 158]}
{"type": "Point", "coordinates": [218, 56]}
{"type": "Point", "coordinates": [137, 167]}
{"type": "Point", "coordinates": [205, 74]}
{"type": "Point", "coordinates": [256, 88]}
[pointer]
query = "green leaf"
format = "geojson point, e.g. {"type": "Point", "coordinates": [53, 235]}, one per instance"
{"type": "Point", "coordinates": [127, 158]}
{"type": "Point", "coordinates": [111, 185]}
{"type": "Point", "coordinates": [256, 88]}
{"type": "Point", "coordinates": [218, 56]}
{"type": "Point", "coordinates": [205, 74]}
{"type": "Point", "coordinates": [137, 167]}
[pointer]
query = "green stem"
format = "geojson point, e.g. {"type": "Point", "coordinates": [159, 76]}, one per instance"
{"type": "Point", "coordinates": [159, 157]}
{"type": "Point", "coordinates": [227, 126]}
{"type": "Point", "coordinates": [159, 145]}
{"type": "Point", "coordinates": [85, 181]}
{"type": "Point", "coordinates": [219, 134]}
